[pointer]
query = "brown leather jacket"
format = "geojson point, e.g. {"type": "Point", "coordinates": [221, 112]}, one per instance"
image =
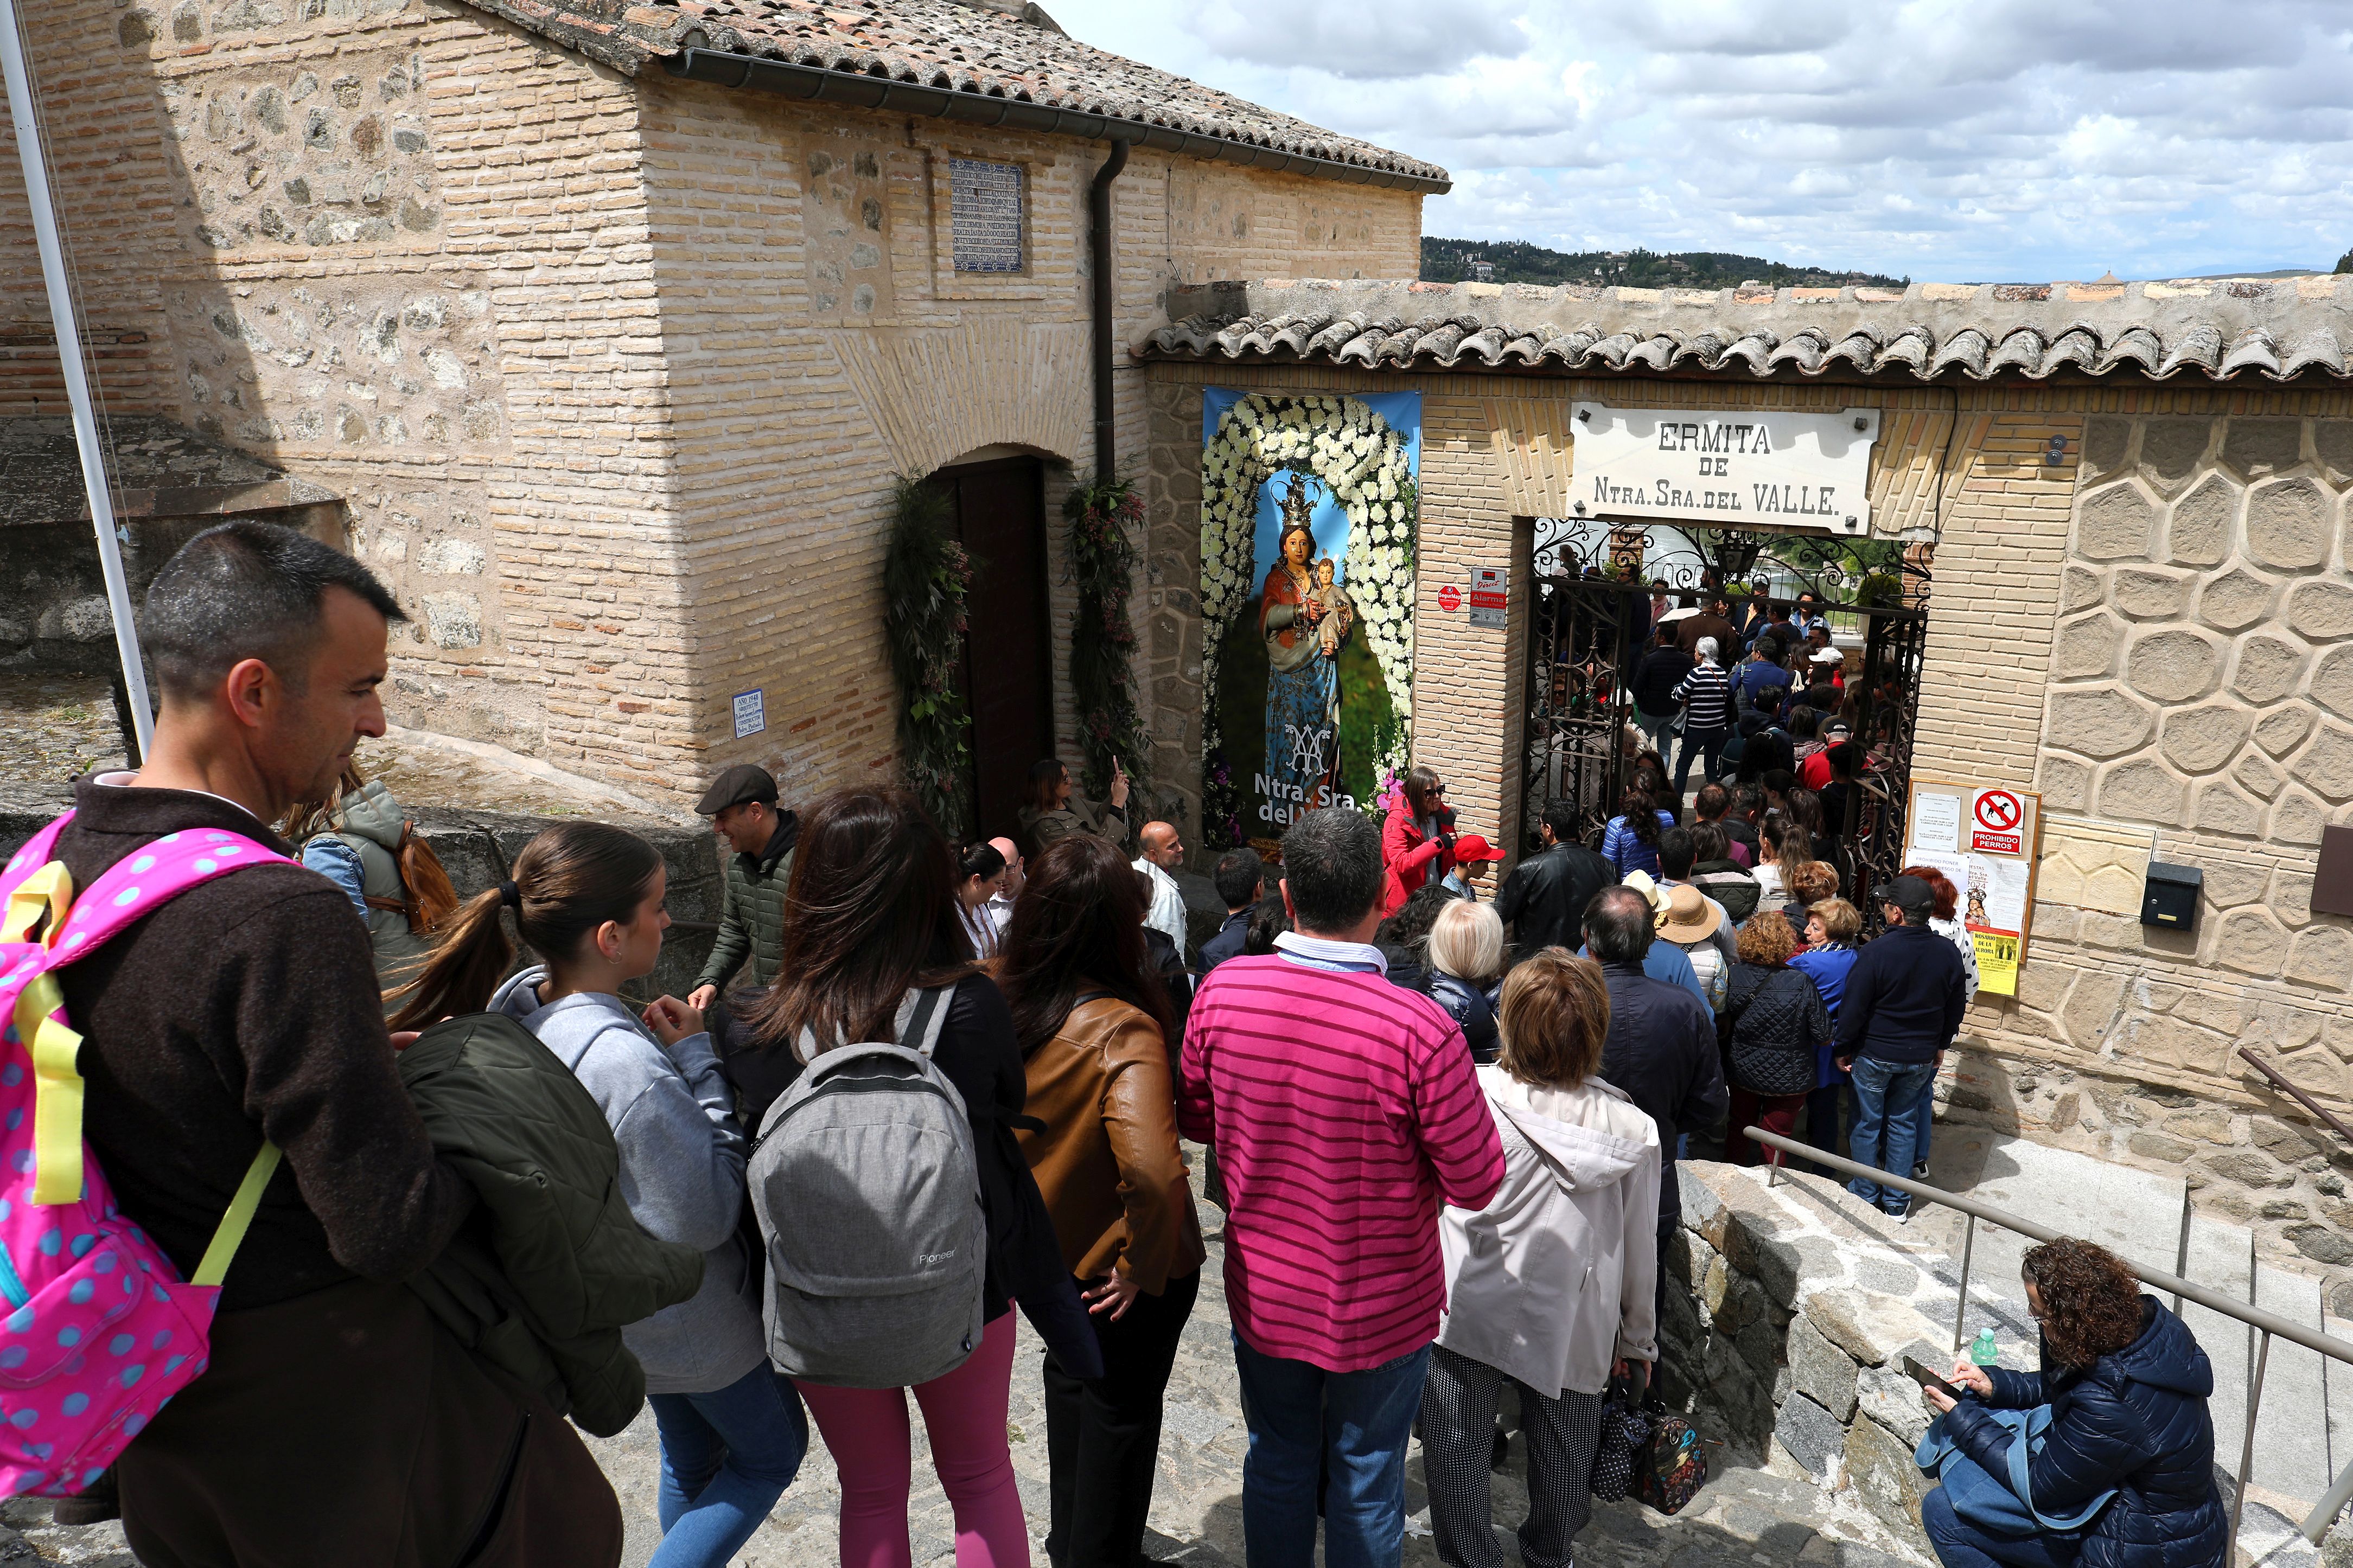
{"type": "Point", "coordinates": [1108, 1162]}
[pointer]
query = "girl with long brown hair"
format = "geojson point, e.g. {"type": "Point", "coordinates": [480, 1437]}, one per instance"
{"type": "Point", "coordinates": [588, 898]}
{"type": "Point", "coordinates": [1092, 1018]}
{"type": "Point", "coordinates": [870, 921]}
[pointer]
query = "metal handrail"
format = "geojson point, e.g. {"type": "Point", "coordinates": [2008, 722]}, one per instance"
{"type": "Point", "coordinates": [2270, 1326]}
{"type": "Point", "coordinates": [2288, 1088]}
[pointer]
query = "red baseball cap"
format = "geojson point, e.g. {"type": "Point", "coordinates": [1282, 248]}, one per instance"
{"type": "Point", "coordinates": [1471, 847]}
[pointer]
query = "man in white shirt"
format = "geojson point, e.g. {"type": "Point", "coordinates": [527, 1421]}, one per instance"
{"type": "Point", "coordinates": [1162, 853]}
{"type": "Point", "coordinates": [1000, 902]}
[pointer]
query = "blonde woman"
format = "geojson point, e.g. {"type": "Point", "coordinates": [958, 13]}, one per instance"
{"type": "Point", "coordinates": [1551, 1285]}
{"type": "Point", "coordinates": [1466, 965]}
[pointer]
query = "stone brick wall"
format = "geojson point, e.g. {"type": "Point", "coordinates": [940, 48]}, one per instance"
{"type": "Point", "coordinates": [614, 375]}
{"type": "Point", "coordinates": [2193, 649]}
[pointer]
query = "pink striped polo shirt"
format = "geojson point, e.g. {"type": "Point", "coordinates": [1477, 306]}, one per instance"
{"type": "Point", "coordinates": [1344, 1111]}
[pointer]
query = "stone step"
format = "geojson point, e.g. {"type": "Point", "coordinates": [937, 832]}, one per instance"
{"type": "Point", "coordinates": [2137, 1215]}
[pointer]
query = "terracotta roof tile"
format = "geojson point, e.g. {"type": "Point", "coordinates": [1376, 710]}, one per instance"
{"type": "Point", "coordinates": [2275, 329]}
{"type": "Point", "coordinates": [992, 50]}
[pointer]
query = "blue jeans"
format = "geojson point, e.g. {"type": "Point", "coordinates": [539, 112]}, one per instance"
{"type": "Point", "coordinates": [1353, 1427]}
{"type": "Point", "coordinates": [726, 1457]}
{"type": "Point", "coordinates": [1923, 1123]}
{"type": "Point", "coordinates": [1961, 1544]}
{"type": "Point", "coordinates": [1886, 1098]}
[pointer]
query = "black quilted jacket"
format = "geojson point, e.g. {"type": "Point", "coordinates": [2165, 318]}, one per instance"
{"type": "Point", "coordinates": [2135, 1420]}
{"type": "Point", "coordinates": [1777, 1019]}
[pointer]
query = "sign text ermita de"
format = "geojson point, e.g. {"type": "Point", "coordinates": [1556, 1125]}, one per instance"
{"type": "Point", "coordinates": [1743, 468]}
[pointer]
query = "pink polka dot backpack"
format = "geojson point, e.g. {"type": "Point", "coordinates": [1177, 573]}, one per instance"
{"type": "Point", "coordinates": [97, 1329]}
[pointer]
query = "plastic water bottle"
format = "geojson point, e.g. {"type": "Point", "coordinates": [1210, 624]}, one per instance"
{"type": "Point", "coordinates": [1983, 1352]}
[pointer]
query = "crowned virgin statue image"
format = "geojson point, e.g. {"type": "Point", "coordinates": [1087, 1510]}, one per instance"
{"type": "Point", "coordinates": [1304, 619]}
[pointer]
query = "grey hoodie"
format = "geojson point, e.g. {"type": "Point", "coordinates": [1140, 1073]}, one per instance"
{"type": "Point", "coordinates": [1555, 1278]}
{"type": "Point", "coordinates": [682, 1159]}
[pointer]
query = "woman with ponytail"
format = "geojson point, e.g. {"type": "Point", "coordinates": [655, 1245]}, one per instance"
{"type": "Point", "coordinates": [588, 898]}
{"type": "Point", "coordinates": [980, 875]}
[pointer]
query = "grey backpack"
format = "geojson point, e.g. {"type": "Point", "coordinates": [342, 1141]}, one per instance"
{"type": "Point", "coordinates": [867, 1193]}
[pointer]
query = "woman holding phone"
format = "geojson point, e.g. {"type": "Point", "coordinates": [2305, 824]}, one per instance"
{"type": "Point", "coordinates": [2127, 1385]}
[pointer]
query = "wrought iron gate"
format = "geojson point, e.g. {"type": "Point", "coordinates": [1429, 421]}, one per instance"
{"type": "Point", "coordinates": [1590, 614]}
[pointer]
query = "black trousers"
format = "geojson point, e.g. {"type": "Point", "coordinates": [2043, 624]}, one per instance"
{"type": "Point", "coordinates": [1103, 1434]}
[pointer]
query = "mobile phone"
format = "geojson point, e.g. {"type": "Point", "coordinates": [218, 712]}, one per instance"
{"type": "Point", "coordinates": [1926, 1379]}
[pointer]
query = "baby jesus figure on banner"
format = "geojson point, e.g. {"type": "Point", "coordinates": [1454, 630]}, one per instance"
{"type": "Point", "coordinates": [1339, 614]}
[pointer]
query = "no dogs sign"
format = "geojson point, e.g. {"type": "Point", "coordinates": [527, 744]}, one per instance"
{"type": "Point", "coordinates": [1998, 823]}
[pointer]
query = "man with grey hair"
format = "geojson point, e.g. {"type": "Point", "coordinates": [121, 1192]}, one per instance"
{"type": "Point", "coordinates": [1344, 1114]}
{"type": "Point", "coordinates": [1662, 1045]}
{"type": "Point", "coordinates": [1162, 852]}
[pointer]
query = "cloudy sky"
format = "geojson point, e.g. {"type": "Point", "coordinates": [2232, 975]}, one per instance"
{"type": "Point", "coordinates": [1960, 140]}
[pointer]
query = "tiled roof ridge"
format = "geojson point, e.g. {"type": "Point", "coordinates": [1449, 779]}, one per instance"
{"type": "Point", "coordinates": [2279, 327]}
{"type": "Point", "coordinates": [958, 45]}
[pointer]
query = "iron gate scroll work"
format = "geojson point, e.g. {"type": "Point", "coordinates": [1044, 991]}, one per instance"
{"type": "Point", "coordinates": [1590, 619]}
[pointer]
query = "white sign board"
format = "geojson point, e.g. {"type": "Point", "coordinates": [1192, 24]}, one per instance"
{"type": "Point", "coordinates": [751, 712]}
{"type": "Point", "coordinates": [1745, 469]}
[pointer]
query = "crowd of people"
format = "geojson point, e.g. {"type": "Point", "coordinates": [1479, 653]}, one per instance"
{"type": "Point", "coordinates": [918, 1086]}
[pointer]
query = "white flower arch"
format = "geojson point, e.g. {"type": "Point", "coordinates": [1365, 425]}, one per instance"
{"type": "Point", "coordinates": [1367, 465]}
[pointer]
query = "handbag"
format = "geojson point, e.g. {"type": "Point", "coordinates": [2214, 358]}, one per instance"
{"type": "Point", "coordinates": [2002, 1505]}
{"type": "Point", "coordinates": [1673, 1466]}
{"type": "Point", "coordinates": [1624, 1431]}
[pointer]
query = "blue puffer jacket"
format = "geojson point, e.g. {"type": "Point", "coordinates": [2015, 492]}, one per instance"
{"type": "Point", "coordinates": [2135, 1420]}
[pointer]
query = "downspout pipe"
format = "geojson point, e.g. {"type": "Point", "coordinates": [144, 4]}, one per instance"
{"type": "Point", "coordinates": [1100, 262]}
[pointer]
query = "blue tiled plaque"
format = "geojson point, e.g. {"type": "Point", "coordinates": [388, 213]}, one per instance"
{"type": "Point", "coordinates": [985, 211]}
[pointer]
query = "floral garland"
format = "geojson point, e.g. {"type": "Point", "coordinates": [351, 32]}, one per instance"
{"type": "Point", "coordinates": [925, 574]}
{"type": "Point", "coordinates": [1367, 465]}
{"type": "Point", "coordinates": [1103, 638]}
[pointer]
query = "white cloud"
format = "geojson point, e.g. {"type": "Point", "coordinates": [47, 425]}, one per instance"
{"type": "Point", "coordinates": [1965, 139]}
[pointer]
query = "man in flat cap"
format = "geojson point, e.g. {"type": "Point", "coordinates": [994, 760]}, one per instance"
{"type": "Point", "coordinates": [742, 805]}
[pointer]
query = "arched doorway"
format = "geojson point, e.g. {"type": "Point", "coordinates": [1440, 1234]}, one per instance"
{"type": "Point", "coordinates": [998, 506]}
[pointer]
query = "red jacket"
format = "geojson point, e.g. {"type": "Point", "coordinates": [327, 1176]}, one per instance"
{"type": "Point", "coordinates": [1410, 858]}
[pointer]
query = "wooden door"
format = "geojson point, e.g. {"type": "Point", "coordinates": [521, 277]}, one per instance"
{"type": "Point", "coordinates": [1000, 515]}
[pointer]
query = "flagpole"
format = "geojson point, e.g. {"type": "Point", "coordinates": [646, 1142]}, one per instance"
{"type": "Point", "coordinates": [85, 421]}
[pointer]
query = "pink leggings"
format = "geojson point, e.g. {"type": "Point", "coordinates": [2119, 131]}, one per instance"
{"type": "Point", "coordinates": [964, 1412]}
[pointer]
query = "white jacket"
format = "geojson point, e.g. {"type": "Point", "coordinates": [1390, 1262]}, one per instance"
{"type": "Point", "coordinates": [1554, 1279]}
{"type": "Point", "coordinates": [1167, 911]}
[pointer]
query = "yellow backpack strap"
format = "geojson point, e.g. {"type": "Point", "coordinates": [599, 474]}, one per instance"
{"type": "Point", "coordinates": [213, 1267]}
{"type": "Point", "coordinates": [40, 1025]}
{"type": "Point", "coordinates": [48, 891]}
{"type": "Point", "coordinates": [56, 1091]}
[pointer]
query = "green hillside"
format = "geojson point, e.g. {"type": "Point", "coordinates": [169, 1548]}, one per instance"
{"type": "Point", "coordinates": [1516, 261]}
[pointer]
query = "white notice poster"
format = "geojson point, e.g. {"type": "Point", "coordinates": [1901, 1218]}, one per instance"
{"type": "Point", "coordinates": [1937, 825]}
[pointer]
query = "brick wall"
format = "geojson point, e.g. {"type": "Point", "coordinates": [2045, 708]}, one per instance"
{"type": "Point", "coordinates": [590, 358]}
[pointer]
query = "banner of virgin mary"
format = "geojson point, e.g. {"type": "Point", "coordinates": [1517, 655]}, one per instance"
{"type": "Point", "coordinates": [1308, 512]}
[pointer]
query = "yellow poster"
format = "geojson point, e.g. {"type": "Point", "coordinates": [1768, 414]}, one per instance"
{"type": "Point", "coordinates": [1997, 961]}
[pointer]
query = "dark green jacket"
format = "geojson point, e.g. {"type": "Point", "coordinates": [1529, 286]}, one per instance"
{"type": "Point", "coordinates": [550, 1265]}
{"type": "Point", "coordinates": [751, 909]}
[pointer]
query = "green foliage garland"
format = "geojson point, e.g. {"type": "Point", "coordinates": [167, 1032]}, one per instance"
{"type": "Point", "coordinates": [925, 574]}
{"type": "Point", "coordinates": [1101, 511]}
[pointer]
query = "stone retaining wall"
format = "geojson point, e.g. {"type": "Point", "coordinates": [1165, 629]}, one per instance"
{"type": "Point", "coordinates": [1784, 1339]}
